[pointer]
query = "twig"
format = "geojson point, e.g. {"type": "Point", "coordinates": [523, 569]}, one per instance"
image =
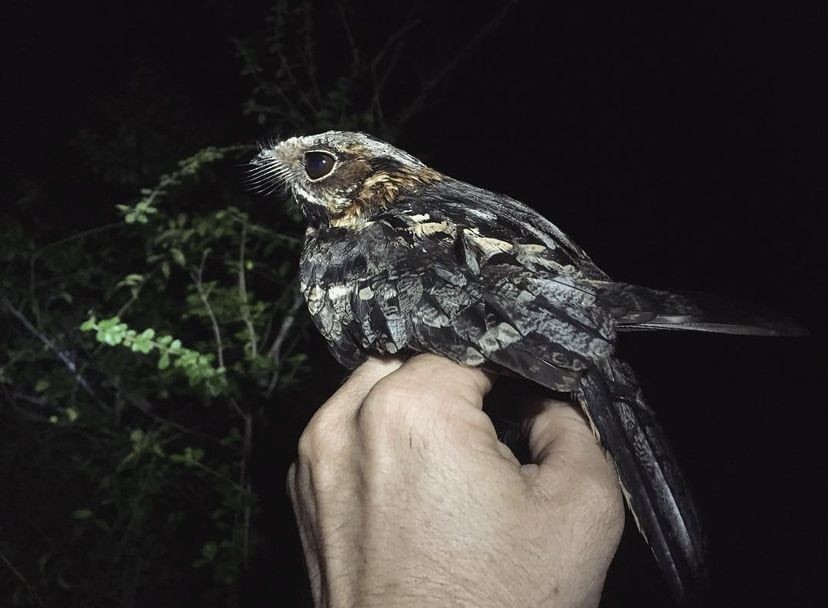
{"type": "Point", "coordinates": [134, 294]}
{"type": "Point", "coordinates": [245, 308]}
{"type": "Point", "coordinates": [244, 482]}
{"type": "Point", "coordinates": [395, 42]}
{"type": "Point", "coordinates": [349, 34]}
{"type": "Point", "coordinates": [22, 579]}
{"type": "Point", "coordinates": [278, 47]}
{"type": "Point", "coordinates": [418, 103]}
{"type": "Point", "coordinates": [22, 411]}
{"type": "Point", "coordinates": [39, 252]}
{"type": "Point", "coordinates": [308, 43]}
{"type": "Point", "coordinates": [64, 358]}
{"type": "Point", "coordinates": [144, 406]}
{"type": "Point", "coordinates": [197, 278]}
{"type": "Point", "coordinates": [275, 351]}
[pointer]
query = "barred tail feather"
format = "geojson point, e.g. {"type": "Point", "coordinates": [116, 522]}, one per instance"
{"type": "Point", "coordinates": [653, 487]}
{"type": "Point", "coordinates": [638, 308]}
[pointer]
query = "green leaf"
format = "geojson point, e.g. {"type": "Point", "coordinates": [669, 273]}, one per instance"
{"type": "Point", "coordinates": [142, 345]}
{"type": "Point", "coordinates": [209, 550]}
{"type": "Point", "coordinates": [178, 256]}
{"type": "Point", "coordinates": [82, 513]}
{"type": "Point", "coordinates": [108, 323]}
{"type": "Point", "coordinates": [113, 335]}
{"type": "Point", "coordinates": [130, 280]}
{"type": "Point", "coordinates": [41, 385]}
{"type": "Point", "coordinates": [164, 361]}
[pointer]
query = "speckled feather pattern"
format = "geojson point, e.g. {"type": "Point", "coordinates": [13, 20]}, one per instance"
{"type": "Point", "coordinates": [399, 258]}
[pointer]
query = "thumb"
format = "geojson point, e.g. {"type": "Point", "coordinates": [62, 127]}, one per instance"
{"type": "Point", "coordinates": [561, 442]}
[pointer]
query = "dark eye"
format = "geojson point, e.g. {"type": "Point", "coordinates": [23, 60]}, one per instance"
{"type": "Point", "coordinates": [318, 164]}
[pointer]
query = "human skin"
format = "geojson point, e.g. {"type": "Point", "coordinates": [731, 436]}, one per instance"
{"type": "Point", "coordinates": [404, 496]}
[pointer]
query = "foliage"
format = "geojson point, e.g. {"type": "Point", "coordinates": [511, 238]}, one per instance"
{"type": "Point", "coordinates": [139, 354]}
{"type": "Point", "coordinates": [142, 456]}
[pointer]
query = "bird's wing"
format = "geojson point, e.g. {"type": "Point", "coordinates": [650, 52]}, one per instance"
{"type": "Point", "coordinates": [492, 289]}
{"type": "Point", "coordinates": [485, 297]}
{"type": "Point", "coordinates": [499, 216]}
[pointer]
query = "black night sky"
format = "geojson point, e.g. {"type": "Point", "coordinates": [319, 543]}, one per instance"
{"type": "Point", "coordinates": [681, 147]}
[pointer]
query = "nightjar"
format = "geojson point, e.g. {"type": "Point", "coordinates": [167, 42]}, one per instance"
{"type": "Point", "coordinates": [400, 258]}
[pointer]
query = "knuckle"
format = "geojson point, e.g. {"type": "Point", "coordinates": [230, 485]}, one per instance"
{"type": "Point", "coordinates": [383, 407]}
{"type": "Point", "coordinates": [323, 434]}
{"type": "Point", "coordinates": [395, 410]}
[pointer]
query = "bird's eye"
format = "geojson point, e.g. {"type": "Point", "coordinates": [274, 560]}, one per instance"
{"type": "Point", "coordinates": [318, 164]}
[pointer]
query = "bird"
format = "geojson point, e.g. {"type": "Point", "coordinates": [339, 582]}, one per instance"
{"type": "Point", "coordinates": [399, 258]}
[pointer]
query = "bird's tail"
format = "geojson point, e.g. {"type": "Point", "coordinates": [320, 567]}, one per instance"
{"type": "Point", "coordinates": [653, 486]}
{"type": "Point", "coordinates": [638, 308]}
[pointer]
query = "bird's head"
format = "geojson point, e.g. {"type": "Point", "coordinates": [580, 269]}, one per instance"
{"type": "Point", "coordinates": [339, 178]}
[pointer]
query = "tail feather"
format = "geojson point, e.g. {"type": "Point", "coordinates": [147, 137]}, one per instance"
{"type": "Point", "coordinates": [638, 308]}
{"type": "Point", "coordinates": [653, 486]}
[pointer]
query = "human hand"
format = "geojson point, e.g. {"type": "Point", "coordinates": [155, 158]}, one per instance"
{"type": "Point", "coordinates": [405, 497]}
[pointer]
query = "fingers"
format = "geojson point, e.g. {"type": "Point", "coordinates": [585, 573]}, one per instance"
{"type": "Point", "coordinates": [429, 378]}
{"type": "Point", "coordinates": [558, 430]}
{"type": "Point", "coordinates": [565, 450]}
{"type": "Point", "coordinates": [363, 379]}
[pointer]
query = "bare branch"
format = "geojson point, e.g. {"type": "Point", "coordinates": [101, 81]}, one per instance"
{"type": "Point", "coordinates": [419, 102]}
{"type": "Point", "coordinates": [145, 407]}
{"type": "Point", "coordinates": [393, 46]}
{"type": "Point", "coordinates": [61, 354]}
{"type": "Point", "coordinates": [287, 70]}
{"type": "Point", "coordinates": [21, 578]}
{"type": "Point", "coordinates": [203, 296]}
{"type": "Point", "coordinates": [245, 308]}
{"type": "Point", "coordinates": [349, 34]}
{"type": "Point", "coordinates": [275, 351]}
{"type": "Point", "coordinates": [247, 451]}
{"type": "Point", "coordinates": [308, 44]}
{"type": "Point", "coordinates": [39, 252]}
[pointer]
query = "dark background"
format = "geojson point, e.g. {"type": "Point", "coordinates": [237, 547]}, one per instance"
{"type": "Point", "coordinates": [681, 147]}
